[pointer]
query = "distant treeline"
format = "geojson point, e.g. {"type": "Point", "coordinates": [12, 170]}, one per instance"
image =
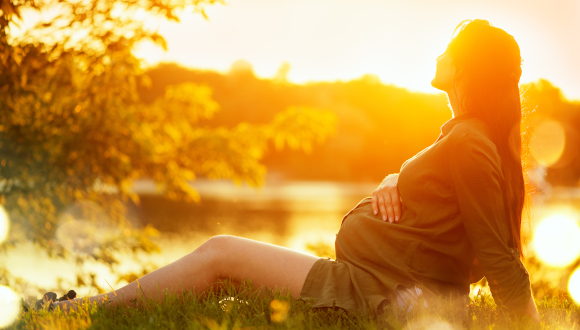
{"type": "Point", "coordinates": [380, 126]}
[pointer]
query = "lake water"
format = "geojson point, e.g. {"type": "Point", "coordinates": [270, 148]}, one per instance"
{"type": "Point", "coordinates": [290, 214]}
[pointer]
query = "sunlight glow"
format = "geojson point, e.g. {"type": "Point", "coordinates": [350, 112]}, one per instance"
{"type": "Point", "coordinates": [149, 52]}
{"type": "Point", "coordinates": [4, 224]}
{"type": "Point", "coordinates": [9, 306]}
{"type": "Point", "coordinates": [557, 240]}
{"type": "Point", "coordinates": [475, 289]}
{"type": "Point", "coordinates": [430, 323]}
{"type": "Point", "coordinates": [323, 40]}
{"type": "Point", "coordinates": [574, 285]}
{"type": "Point", "coordinates": [547, 143]}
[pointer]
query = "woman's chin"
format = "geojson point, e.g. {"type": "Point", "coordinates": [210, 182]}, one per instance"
{"type": "Point", "coordinates": [439, 85]}
{"type": "Point", "coordinates": [435, 84]}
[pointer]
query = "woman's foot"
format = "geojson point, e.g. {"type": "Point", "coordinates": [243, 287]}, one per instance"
{"type": "Point", "coordinates": [47, 300]}
{"type": "Point", "coordinates": [69, 296]}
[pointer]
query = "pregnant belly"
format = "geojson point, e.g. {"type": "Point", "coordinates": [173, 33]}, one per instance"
{"type": "Point", "coordinates": [366, 240]}
{"type": "Point", "coordinates": [394, 251]}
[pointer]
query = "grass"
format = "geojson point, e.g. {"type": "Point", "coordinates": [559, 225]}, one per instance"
{"type": "Point", "coordinates": [245, 308]}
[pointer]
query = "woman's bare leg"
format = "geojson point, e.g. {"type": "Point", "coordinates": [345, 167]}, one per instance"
{"type": "Point", "coordinates": [220, 257]}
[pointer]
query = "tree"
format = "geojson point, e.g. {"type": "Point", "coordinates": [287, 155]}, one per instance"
{"type": "Point", "coordinates": [73, 130]}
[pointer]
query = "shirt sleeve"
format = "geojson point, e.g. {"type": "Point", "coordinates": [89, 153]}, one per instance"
{"type": "Point", "coordinates": [476, 174]}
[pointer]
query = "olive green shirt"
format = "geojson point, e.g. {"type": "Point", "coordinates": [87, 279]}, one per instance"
{"type": "Point", "coordinates": [452, 215]}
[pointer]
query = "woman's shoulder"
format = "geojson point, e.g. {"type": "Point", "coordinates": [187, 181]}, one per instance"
{"type": "Point", "coordinates": [472, 126]}
{"type": "Point", "coordinates": [472, 132]}
{"type": "Point", "coordinates": [470, 139]}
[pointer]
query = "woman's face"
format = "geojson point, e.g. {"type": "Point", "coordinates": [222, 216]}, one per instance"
{"type": "Point", "coordinates": [445, 72]}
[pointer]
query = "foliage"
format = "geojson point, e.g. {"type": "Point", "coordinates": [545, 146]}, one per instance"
{"type": "Point", "coordinates": [244, 307]}
{"type": "Point", "coordinates": [379, 125]}
{"type": "Point", "coordinates": [74, 132]}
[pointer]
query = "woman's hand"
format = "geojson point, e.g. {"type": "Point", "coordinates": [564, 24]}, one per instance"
{"type": "Point", "coordinates": [387, 200]}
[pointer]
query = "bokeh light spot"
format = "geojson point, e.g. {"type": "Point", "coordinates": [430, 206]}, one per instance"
{"type": "Point", "coordinates": [80, 237]}
{"type": "Point", "coordinates": [279, 310]}
{"type": "Point", "coordinates": [9, 306]}
{"type": "Point", "coordinates": [4, 224]}
{"type": "Point", "coordinates": [547, 143]}
{"type": "Point", "coordinates": [557, 240]}
{"type": "Point", "coordinates": [84, 228]}
{"type": "Point", "coordinates": [574, 285]}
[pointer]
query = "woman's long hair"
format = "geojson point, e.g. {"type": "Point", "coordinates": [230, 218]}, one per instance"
{"type": "Point", "coordinates": [489, 63]}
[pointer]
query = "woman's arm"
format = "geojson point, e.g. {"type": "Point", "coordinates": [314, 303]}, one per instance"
{"type": "Point", "coordinates": [475, 169]}
{"type": "Point", "coordinates": [387, 200]}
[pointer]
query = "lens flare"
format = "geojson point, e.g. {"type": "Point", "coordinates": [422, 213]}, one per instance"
{"type": "Point", "coordinates": [574, 285]}
{"type": "Point", "coordinates": [9, 306]}
{"type": "Point", "coordinates": [557, 240]}
{"type": "Point", "coordinates": [4, 224]}
{"type": "Point", "coordinates": [80, 237]}
{"type": "Point", "coordinates": [547, 143]}
{"type": "Point", "coordinates": [84, 228]}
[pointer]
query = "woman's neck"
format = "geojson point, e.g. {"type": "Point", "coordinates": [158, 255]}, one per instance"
{"type": "Point", "coordinates": [454, 103]}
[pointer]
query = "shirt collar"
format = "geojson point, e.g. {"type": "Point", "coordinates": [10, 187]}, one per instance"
{"type": "Point", "coordinates": [448, 125]}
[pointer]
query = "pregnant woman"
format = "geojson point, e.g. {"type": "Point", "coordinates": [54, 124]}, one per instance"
{"type": "Point", "coordinates": [451, 216]}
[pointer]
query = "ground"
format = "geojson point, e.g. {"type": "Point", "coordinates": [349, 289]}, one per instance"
{"type": "Point", "coordinates": [241, 309]}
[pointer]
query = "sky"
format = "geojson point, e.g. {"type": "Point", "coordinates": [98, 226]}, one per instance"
{"type": "Point", "coordinates": [344, 39]}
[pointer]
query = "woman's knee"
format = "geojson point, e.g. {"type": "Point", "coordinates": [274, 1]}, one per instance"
{"type": "Point", "coordinates": [215, 249]}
